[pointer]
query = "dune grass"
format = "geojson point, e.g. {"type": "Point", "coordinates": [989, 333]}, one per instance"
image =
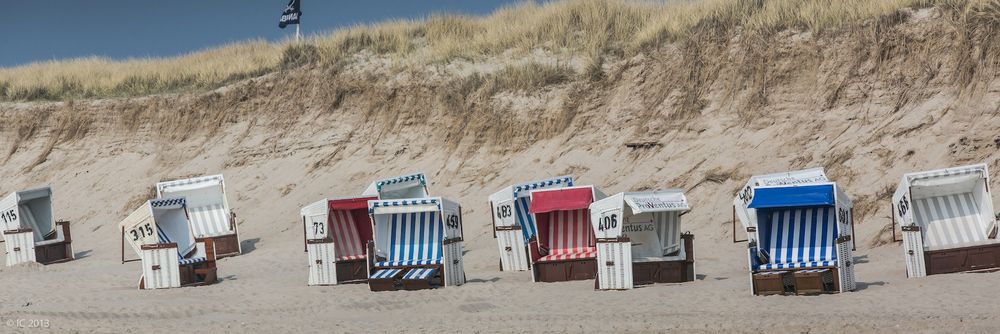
{"type": "Point", "coordinates": [593, 28]}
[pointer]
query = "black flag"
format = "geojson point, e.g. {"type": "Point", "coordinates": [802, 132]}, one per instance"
{"type": "Point", "coordinates": [291, 14]}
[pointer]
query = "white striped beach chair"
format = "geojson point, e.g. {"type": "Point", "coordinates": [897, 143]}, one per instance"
{"type": "Point", "coordinates": [798, 224]}
{"type": "Point", "coordinates": [159, 232]}
{"type": "Point", "coordinates": [336, 233]}
{"type": "Point", "coordinates": [420, 237]}
{"type": "Point", "coordinates": [399, 187]}
{"type": "Point", "coordinates": [639, 239]}
{"type": "Point", "coordinates": [947, 221]}
{"type": "Point", "coordinates": [564, 249]}
{"type": "Point", "coordinates": [209, 210]}
{"type": "Point", "coordinates": [29, 230]}
{"type": "Point", "coordinates": [513, 225]}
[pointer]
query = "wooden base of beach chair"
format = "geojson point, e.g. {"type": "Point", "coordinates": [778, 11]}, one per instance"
{"type": "Point", "coordinates": [814, 281]}
{"type": "Point", "coordinates": [352, 271]}
{"type": "Point", "coordinates": [962, 259]}
{"type": "Point", "coordinates": [56, 252]}
{"type": "Point", "coordinates": [419, 278]}
{"type": "Point", "coordinates": [660, 272]}
{"type": "Point", "coordinates": [772, 282]}
{"type": "Point", "coordinates": [226, 245]}
{"type": "Point", "coordinates": [379, 282]}
{"type": "Point", "coordinates": [570, 270]}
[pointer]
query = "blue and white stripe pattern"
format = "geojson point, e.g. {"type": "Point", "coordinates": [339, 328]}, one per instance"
{"type": "Point", "coordinates": [799, 237]}
{"type": "Point", "coordinates": [414, 239]}
{"type": "Point", "coordinates": [192, 260]}
{"type": "Point", "coordinates": [524, 218]}
{"type": "Point", "coordinates": [568, 181]}
{"type": "Point", "coordinates": [385, 273]}
{"type": "Point", "coordinates": [405, 202]}
{"type": "Point", "coordinates": [167, 202]}
{"type": "Point", "coordinates": [408, 178]}
{"type": "Point", "coordinates": [419, 274]}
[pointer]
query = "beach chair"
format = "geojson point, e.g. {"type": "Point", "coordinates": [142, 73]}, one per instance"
{"type": "Point", "coordinates": [513, 225]}
{"type": "Point", "coordinates": [800, 228]}
{"type": "Point", "coordinates": [564, 248]}
{"type": "Point", "coordinates": [639, 239]}
{"type": "Point", "coordinates": [399, 187]}
{"type": "Point", "coordinates": [159, 232]}
{"type": "Point", "coordinates": [208, 206]}
{"type": "Point", "coordinates": [337, 232]}
{"type": "Point", "coordinates": [30, 232]}
{"type": "Point", "coordinates": [417, 244]}
{"type": "Point", "coordinates": [947, 221]}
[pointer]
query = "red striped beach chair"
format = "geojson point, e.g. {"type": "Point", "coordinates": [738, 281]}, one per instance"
{"type": "Point", "coordinates": [336, 234]}
{"type": "Point", "coordinates": [564, 249]}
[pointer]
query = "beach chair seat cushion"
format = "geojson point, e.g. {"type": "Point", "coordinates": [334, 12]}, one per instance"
{"type": "Point", "coordinates": [588, 253]}
{"type": "Point", "coordinates": [405, 263]}
{"type": "Point", "coordinates": [794, 265]}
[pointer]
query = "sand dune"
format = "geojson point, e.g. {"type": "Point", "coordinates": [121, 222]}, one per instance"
{"type": "Point", "coordinates": [866, 118]}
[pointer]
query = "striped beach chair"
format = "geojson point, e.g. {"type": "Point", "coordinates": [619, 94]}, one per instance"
{"type": "Point", "coordinates": [419, 237]}
{"type": "Point", "coordinates": [947, 221]}
{"type": "Point", "coordinates": [564, 249]}
{"type": "Point", "coordinates": [30, 231]}
{"type": "Point", "coordinates": [799, 226]}
{"type": "Point", "coordinates": [159, 232]}
{"type": "Point", "coordinates": [336, 233]}
{"type": "Point", "coordinates": [639, 239]}
{"type": "Point", "coordinates": [209, 210]}
{"type": "Point", "coordinates": [513, 225]}
{"type": "Point", "coordinates": [399, 187]}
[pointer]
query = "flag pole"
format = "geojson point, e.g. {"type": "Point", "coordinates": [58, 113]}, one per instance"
{"type": "Point", "coordinates": [297, 32]}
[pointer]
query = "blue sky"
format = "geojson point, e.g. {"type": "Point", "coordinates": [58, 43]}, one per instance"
{"type": "Point", "coordinates": [39, 30]}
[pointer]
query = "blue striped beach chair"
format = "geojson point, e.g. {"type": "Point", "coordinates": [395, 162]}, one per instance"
{"type": "Point", "coordinates": [417, 244]}
{"type": "Point", "coordinates": [802, 227]}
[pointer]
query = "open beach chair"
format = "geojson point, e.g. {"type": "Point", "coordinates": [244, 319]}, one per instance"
{"type": "Point", "coordinates": [337, 232]}
{"type": "Point", "coordinates": [564, 248]}
{"type": "Point", "coordinates": [159, 232]}
{"type": "Point", "coordinates": [30, 232]}
{"type": "Point", "coordinates": [800, 233]}
{"type": "Point", "coordinates": [947, 221]}
{"type": "Point", "coordinates": [417, 244]}
{"type": "Point", "coordinates": [639, 239]}
{"type": "Point", "coordinates": [513, 225]}
{"type": "Point", "coordinates": [211, 216]}
{"type": "Point", "coordinates": [399, 187]}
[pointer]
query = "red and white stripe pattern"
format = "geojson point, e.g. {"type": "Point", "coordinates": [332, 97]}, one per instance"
{"type": "Point", "coordinates": [570, 236]}
{"type": "Point", "coordinates": [345, 236]}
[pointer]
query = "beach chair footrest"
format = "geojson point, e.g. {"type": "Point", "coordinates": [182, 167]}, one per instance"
{"type": "Point", "coordinates": [772, 282]}
{"type": "Point", "coordinates": [384, 279]}
{"type": "Point", "coordinates": [418, 279]}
